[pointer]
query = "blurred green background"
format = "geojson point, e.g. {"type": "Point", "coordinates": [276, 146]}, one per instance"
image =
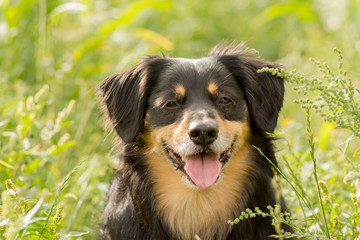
{"type": "Point", "coordinates": [70, 46]}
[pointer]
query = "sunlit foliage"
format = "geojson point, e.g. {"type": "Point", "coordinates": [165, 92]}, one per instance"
{"type": "Point", "coordinates": [53, 53]}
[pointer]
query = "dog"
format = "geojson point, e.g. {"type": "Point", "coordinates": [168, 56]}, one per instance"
{"type": "Point", "coordinates": [188, 164]}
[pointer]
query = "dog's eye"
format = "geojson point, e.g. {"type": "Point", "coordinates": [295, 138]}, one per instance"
{"type": "Point", "coordinates": [225, 101]}
{"type": "Point", "coordinates": [171, 104]}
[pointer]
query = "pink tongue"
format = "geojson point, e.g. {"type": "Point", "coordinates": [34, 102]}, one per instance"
{"type": "Point", "coordinates": [203, 169]}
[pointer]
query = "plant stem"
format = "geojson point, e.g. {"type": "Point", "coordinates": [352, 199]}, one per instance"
{"type": "Point", "coordinates": [299, 195]}
{"type": "Point", "coordinates": [312, 154]}
{"type": "Point", "coordinates": [58, 194]}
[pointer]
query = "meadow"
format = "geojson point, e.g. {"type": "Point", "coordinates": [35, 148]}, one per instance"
{"type": "Point", "coordinates": [56, 157]}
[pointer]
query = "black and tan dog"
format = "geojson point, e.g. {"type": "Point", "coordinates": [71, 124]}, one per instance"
{"type": "Point", "coordinates": [188, 164]}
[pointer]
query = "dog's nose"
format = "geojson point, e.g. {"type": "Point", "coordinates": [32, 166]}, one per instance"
{"type": "Point", "coordinates": [203, 133]}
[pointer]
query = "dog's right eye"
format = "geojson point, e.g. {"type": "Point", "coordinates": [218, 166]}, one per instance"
{"type": "Point", "coordinates": [225, 101]}
{"type": "Point", "coordinates": [171, 104]}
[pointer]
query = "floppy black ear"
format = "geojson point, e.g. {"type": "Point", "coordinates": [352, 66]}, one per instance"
{"type": "Point", "coordinates": [264, 92]}
{"type": "Point", "coordinates": [125, 96]}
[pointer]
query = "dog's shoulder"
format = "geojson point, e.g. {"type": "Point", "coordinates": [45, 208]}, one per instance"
{"type": "Point", "coordinates": [120, 211]}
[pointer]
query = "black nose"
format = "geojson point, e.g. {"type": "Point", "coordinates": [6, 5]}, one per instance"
{"type": "Point", "coordinates": [203, 133]}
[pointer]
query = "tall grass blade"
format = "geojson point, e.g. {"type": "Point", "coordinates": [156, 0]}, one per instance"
{"type": "Point", "coordinates": [312, 154]}
{"type": "Point", "coordinates": [301, 197]}
{"type": "Point", "coordinates": [58, 194]}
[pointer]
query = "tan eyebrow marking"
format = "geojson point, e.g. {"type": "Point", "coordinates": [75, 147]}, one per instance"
{"type": "Point", "coordinates": [213, 88]}
{"type": "Point", "coordinates": [180, 90]}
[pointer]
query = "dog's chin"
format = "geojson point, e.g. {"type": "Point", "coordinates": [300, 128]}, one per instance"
{"type": "Point", "coordinates": [203, 168]}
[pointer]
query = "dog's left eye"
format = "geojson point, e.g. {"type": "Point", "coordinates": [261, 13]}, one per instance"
{"type": "Point", "coordinates": [171, 104]}
{"type": "Point", "coordinates": [225, 101]}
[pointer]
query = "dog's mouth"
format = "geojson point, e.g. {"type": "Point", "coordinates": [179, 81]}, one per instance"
{"type": "Point", "coordinates": [204, 168]}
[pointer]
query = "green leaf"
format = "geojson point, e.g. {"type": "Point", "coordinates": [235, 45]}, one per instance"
{"type": "Point", "coordinates": [130, 12]}
{"type": "Point", "coordinates": [357, 152]}
{"type": "Point", "coordinates": [301, 9]}
{"type": "Point", "coordinates": [56, 149]}
{"type": "Point", "coordinates": [32, 166]}
{"type": "Point", "coordinates": [124, 19]}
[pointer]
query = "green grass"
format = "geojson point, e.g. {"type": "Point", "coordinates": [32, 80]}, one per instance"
{"type": "Point", "coordinates": [54, 53]}
{"type": "Point", "coordinates": [333, 211]}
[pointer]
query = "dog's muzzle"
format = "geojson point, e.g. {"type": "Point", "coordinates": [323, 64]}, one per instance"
{"type": "Point", "coordinates": [203, 166]}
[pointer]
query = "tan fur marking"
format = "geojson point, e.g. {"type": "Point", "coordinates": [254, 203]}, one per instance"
{"type": "Point", "coordinates": [189, 210]}
{"type": "Point", "coordinates": [213, 88]}
{"type": "Point", "coordinates": [180, 90]}
{"type": "Point", "coordinates": [146, 121]}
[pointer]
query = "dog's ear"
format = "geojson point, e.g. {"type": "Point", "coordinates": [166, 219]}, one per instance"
{"type": "Point", "coordinates": [264, 92]}
{"type": "Point", "coordinates": [125, 96]}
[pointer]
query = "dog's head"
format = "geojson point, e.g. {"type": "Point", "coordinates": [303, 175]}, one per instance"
{"type": "Point", "coordinates": [197, 113]}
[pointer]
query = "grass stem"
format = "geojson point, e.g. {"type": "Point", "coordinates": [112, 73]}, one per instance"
{"type": "Point", "coordinates": [58, 194]}
{"type": "Point", "coordinates": [312, 154]}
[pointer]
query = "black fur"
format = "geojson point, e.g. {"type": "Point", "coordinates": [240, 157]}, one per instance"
{"type": "Point", "coordinates": [264, 92]}
{"type": "Point", "coordinates": [125, 96]}
{"type": "Point", "coordinates": [131, 212]}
